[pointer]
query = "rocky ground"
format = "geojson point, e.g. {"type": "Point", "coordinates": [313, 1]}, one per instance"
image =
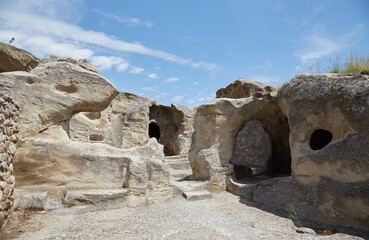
{"type": "Point", "coordinates": [222, 217]}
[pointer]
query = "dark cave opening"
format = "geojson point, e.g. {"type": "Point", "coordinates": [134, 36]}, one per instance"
{"type": "Point", "coordinates": [320, 138]}
{"type": "Point", "coordinates": [154, 130]}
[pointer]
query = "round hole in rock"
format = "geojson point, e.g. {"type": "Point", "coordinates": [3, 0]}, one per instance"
{"type": "Point", "coordinates": [320, 138]}
{"type": "Point", "coordinates": [154, 131]}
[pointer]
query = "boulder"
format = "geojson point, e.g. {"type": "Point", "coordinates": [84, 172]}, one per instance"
{"type": "Point", "coordinates": [216, 126]}
{"type": "Point", "coordinates": [124, 124]}
{"type": "Point", "coordinates": [173, 127]}
{"type": "Point", "coordinates": [253, 148]}
{"type": "Point", "coordinates": [15, 59]}
{"type": "Point", "coordinates": [328, 117]}
{"type": "Point", "coordinates": [54, 91]}
{"type": "Point", "coordinates": [242, 88]}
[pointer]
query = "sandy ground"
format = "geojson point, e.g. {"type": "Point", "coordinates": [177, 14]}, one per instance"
{"type": "Point", "coordinates": [222, 217]}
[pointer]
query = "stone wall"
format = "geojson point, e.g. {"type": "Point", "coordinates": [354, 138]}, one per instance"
{"type": "Point", "coordinates": [8, 131]}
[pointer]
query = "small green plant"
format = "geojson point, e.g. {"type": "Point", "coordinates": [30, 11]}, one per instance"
{"type": "Point", "coordinates": [353, 64]}
{"type": "Point", "coordinates": [293, 213]}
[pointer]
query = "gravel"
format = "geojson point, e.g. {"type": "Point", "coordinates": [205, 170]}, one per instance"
{"type": "Point", "coordinates": [222, 217]}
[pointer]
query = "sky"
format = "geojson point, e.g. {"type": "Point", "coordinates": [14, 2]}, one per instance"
{"type": "Point", "coordinates": [183, 51]}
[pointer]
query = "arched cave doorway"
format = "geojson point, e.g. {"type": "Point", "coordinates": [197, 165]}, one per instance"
{"type": "Point", "coordinates": [279, 163]}
{"type": "Point", "coordinates": [154, 130]}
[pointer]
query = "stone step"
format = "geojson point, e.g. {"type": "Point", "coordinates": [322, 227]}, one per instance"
{"type": "Point", "coordinates": [55, 199]}
{"type": "Point", "coordinates": [181, 173]}
{"type": "Point", "coordinates": [197, 195]}
{"type": "Point", "coordinates": [179, 165]}
{"type": "Point", "coordinates": [187, 185]}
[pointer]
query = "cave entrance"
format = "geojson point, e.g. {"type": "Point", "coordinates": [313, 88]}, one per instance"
{"type": "Point", "coordinates": [154, 130]}
{"type": "Point", "coordinates": [320, 138]}
{"type": "Point", "coordinates": [275, 163]}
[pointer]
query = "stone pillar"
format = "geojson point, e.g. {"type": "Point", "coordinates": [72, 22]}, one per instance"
{"type": "Point", "coordinates": [8, 137]}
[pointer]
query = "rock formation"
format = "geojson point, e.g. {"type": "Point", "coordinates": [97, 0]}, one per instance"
{"type": "Point", "coordinates": [329, 183]}
{"type": "Point", "coordinates": [217, 124]}
{"type": "Point", "coordinates": [242, 88]}
{"type": "Point", "coordinates": [328, 116]}
{"type": "Point", "coordinates": [15, 59]}
{"type": "Point", "coordinates": [124, 124]}
{"type": "Point", "coordinates": [49, 96]}
{"type": "Point", "coordinates": [173, 127]}
{"type": "Point", "coordinates": [8, 138]}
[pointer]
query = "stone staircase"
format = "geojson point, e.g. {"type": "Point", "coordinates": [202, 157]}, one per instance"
{"type": "Point", "coordinates": [180, 179]}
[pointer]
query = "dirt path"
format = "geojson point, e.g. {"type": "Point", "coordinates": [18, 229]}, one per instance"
{"type": "Point", "coordinates": [222, 217]}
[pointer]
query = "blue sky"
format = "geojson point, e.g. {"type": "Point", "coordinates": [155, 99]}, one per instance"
{"type": "Point", "coordinates": [183, 51]}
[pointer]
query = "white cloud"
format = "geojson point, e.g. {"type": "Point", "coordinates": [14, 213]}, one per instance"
{"type": "Point", "coordinates": [263, 66]}
{"type": "Point", "coordinates": [319, 45]}
{"type": "Point", "coordinates": [71, 10]}
{"type": "Point", "coordinates": [41, 26]}
{"type": "Point", "coordinates": [44, 45]}
{"type": "Point", "coordinates": [178, 98]}
{"type": "Point", "coordinates": [195, 83]}
{"type": "Point", "coordinates": [135, 70]}
{"type": "Point", "coordinates": [127, 21]}
{"type": "Point", "coordinates": [149, 89]}
{"type": "Point", "coordinates": [153, 76]}
{"type": "Point", "coordinates": [122, 67]}
{"type": "Point", "coordinates": [315, 12]}
{"type": "Point", "coordinates": [171, 80]}
{"type": "Point", "coordinates": [107, 62]}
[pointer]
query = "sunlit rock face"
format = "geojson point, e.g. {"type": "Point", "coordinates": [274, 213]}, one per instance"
{"type": "Point", "coordinates": [214, 153]}
{"type": "Point", "coordinates": [15, 59]}
{"type": "Point", "coordinates": [123, 124]}
{"type": "Point", "coordinates": [49, 96]}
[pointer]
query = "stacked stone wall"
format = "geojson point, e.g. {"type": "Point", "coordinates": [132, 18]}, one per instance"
{"type": "Point", "coordinates": [8, 137]}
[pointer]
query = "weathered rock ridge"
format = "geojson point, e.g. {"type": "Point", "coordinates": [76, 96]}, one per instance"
{"type": "Point", "coordinates": [242, 88]}
{"type": "Point", "coordinates": [15, 59]}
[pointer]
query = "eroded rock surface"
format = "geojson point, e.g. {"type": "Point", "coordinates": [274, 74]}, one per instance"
{"type": "Point", "coordinates": [15, 59]}
{"type": "Point", "coordinates": [49, 96]}
{"type": "Point", "coordinates": [54, 91]}
{"type": "Point", "coordinates": [124, 124]}
{"type": "Point", "coordinates": [242, 88]}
